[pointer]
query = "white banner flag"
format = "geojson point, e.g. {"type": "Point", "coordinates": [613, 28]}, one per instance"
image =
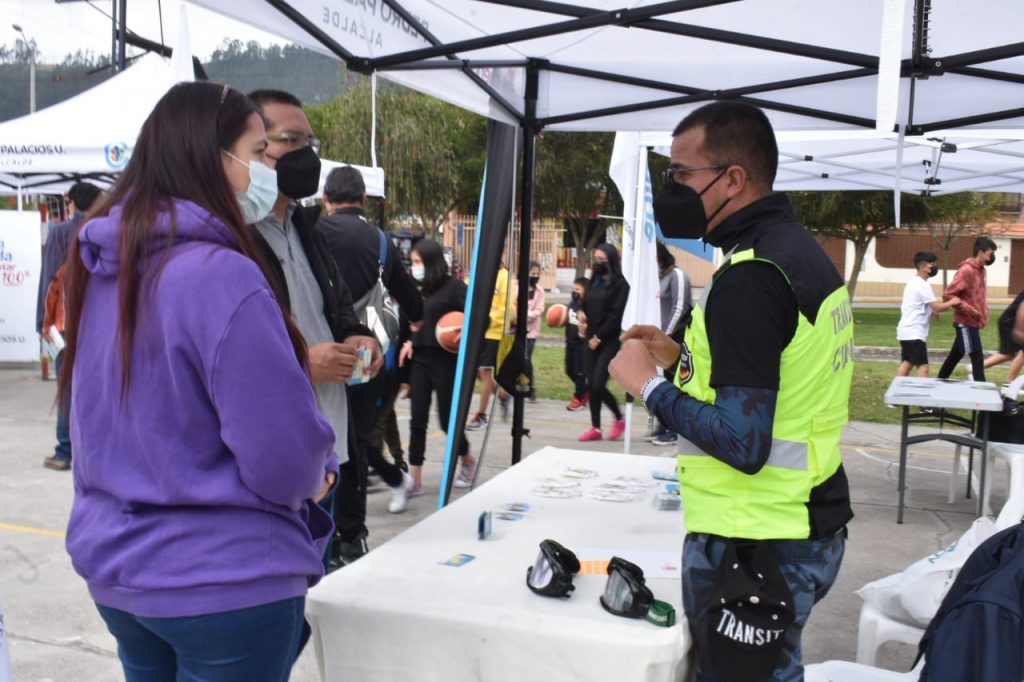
{"type": "Point", "coordinates": [639, 249]}
{"type": "Point", "coordinates": [20, 261]}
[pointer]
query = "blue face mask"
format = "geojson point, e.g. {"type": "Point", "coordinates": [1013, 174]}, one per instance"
{"type": "Point", "coordinates": [257, 200]}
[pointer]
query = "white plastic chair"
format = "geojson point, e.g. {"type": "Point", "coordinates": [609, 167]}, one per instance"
{"type": "Point", "coordinates": [875, 629]}
{"type": "Point", "coordinates": [1013, 509]}
{"type": "Point", "coordinates": [1013, 455]}
{"type": "Point", "coordinates": [842, 671]}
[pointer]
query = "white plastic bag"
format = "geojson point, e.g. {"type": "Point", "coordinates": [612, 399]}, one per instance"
{"type": "Point", "coordinates": [914, 595]}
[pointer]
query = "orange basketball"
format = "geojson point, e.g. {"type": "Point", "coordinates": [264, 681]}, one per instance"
{"type": "Point", "coordinates": [449, 331]}
{"type": "Point", "coordinates": [558, 315]}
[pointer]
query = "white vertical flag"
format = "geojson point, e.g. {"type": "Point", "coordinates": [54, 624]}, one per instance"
{"type": "Point", "coordinates": [639, 250]}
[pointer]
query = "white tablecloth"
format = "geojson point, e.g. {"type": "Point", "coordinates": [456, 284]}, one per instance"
{"type": "Point", "coordinates": [398, 614]}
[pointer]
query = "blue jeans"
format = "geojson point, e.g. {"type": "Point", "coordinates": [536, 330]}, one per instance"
{"type": "Point", "coordinates": [63, 449]}
{"type": "Point", "coordinates": [258, 643]}
{"type": "Point", "coordinates": [809, 567]}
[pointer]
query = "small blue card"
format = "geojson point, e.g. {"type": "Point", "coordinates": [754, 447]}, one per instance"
{"type": "Point", "coordinates": [458, 561]}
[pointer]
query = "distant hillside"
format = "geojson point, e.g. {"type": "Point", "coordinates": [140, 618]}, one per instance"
{"type": "Point", "coordinates": [310, 76]}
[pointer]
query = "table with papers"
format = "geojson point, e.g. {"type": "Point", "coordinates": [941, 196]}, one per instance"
{"type": "Point", "coordinates": [934, 397]}
{"type": "Point", "coordinates": [416, 608]}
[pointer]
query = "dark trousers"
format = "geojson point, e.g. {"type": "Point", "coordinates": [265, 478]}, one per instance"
{"type": "Point", "coordinates": [967, 341]}
{"type": "Point", "coordinates": [597, 362]}
{"type": "Point", "coordinates": [63, 449]}
{"type": "Point", "coordinates": [257, 643]}
{"type": "Point", "coordinates": [385, 426]}
{"type": "Point", "coordinates": [530, 343]}
{"type": "Point", "coordinates": [350, 501]}
{"type": "Point", "coordinates": [574, 368]}
{"type": "Point", "coordinates": [432, 370]}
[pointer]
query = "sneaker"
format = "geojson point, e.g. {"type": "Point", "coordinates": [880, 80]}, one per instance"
{"type": "Point", "coordinates": [618, 428]}
{"type": "Point", "coordinates": [477, 422]}
{"type": "Point", "coordinates": [532, 398]}
{"type": "Point", "coordinates": [350, 552]}
{"type": "Point", "coordinates": [586, 398]}
{"type": "Point", "coordinates": [466, 476]}
{"type": "Point", "coordinates": [416, 490]}
{"type": "Point", "coordinates": [400, 494]}
{"type": "Point", "coordinates": [57, 463]}
{"type": "Point", "coordinates": [665, 438]}
{"type": "Point", "coordinates": [575, 404]}
{"type": "Point", "coordinates": [591, 434]}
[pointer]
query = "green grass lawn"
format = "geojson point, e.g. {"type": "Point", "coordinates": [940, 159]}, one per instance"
{"type": "Point", "coordinates": [877, 327]}
{"type": "Point", "coordinates": [870, 379]}
{"type": "Point", "coordinates": [873, 327]}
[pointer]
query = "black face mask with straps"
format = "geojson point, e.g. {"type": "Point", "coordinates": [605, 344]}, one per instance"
{"type": "Point", "coordinates": [680, 211]}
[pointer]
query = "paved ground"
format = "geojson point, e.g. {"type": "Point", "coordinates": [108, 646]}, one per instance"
{"type": "Point", "coordinates": [55, 633]}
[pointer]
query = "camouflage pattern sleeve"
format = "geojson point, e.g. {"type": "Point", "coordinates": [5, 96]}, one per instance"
{"type": "Point", "coordinates": [736, 430]}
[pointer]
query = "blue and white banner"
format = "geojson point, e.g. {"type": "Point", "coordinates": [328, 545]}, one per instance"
{"type": "Point", "coordinates": [639, 234]}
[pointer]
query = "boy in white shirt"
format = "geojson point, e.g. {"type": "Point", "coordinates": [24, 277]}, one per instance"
{"type": "Point", "coordinates": [919, 305]}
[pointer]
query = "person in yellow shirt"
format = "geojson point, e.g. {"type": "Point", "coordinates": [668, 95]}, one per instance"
{"type": "Point", "coordinates": [489, 354]}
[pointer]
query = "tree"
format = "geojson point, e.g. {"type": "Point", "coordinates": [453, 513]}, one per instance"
{"type": "Point", "coordinates": [572, 183]}
{"type": "Point", "coordinates": [857, 217]}
{"type": "Point", "coordinates": [423, 144]}
{"type": "Point", "coordinates": [949, 217]}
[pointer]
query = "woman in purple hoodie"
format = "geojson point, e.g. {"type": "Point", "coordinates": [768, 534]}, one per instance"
{"type": "Point", "coordinates": [199, 451]}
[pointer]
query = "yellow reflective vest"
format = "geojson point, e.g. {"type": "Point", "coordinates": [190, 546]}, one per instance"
{"type": "Point", "coordinates": [812, 407]}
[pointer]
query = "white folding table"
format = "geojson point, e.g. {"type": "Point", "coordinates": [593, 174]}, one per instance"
{"type": "Point", "coordinates": [400, 614]}
{"type": "Point", "coordinates": [934, 397]}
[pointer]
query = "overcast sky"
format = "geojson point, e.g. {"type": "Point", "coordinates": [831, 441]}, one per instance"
{"type": "Point", "coordinates": [59, 29]}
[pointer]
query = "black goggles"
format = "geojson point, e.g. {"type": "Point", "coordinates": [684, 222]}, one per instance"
{"type": "Point", "coordinates": [627, 595]}
{"type": "Point", "coordinates": [551, 574]}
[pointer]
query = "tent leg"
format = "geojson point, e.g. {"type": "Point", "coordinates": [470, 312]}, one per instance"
{"type": "Point", "coordinates": [526, 227]}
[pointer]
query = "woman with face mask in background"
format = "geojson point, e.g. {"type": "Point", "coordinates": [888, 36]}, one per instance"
{"type": "Point", "coordinates": [433, 368]}
{"type": "Point", "coordinates": [534, 310]}
{"type": "Point", "coordinates": [603, 307]}
{"type": "Point", "coordinates": [199, 451]}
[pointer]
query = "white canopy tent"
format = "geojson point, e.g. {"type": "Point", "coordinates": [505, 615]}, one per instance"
{"type": "Point", "coordinates": [92, 134]}
{"type": "Point", "coordinates": [877, 67]}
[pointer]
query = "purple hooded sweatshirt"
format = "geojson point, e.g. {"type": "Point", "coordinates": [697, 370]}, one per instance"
{"type": "Point", "coordinates": [192, 496]}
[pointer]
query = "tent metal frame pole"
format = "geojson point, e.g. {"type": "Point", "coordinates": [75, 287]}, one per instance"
{"type": "Point", "coordinates": [113, 36]}
{"type": "Point", "coordinates": [460, 64]}
{"type": "Point", "coordinates": [416, 24]}
{"type": "Point", "coordinates": [965, 121]}
{"type": "Point", "coordinates": [715, 35]}
{"type": "Point", "coordinates": [690, 90]}
{"type": "Point", "coordinates": [619, 17]}
{"type": "Point", "coordinates": [530, 129]}
{"type": "Point", "coordinates": [122, 32]}
{"type": "Point", "coordinates": [299, 19]}
{"type": "Point", "coordinates": [708, 97]}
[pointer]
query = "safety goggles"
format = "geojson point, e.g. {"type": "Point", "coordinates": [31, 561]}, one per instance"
{"type": "Point", "coordinates": [551, 574]}
{"type": "Point", "coordinates": [626, 595]}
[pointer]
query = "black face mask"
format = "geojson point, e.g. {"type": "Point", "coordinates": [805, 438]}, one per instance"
{"type": "Point", "coordinates": [933, 270]}
{"type": "Point", "coordinates": [533, 280]}
{"type": "Point", "coordinates": [600, 269]}
{"type": "Point", "coordinates": [298, 173]}
{"type": "Point", "coordinates": [576, 296]}
{"type": "Point", "coordinates": [680, 212]}
{"type": "Point", "coordinates": [991, 259]}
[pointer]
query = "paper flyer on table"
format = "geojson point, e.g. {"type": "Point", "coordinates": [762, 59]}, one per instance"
{"type": "Point", "coordinates": [655, 564]}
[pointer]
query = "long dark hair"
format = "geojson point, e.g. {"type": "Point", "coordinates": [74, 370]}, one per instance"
{"type": "Point", "coordinates": [177, 155]}
{"type": "Point", "coordinates": [614, 264]}
{"type": "Point", "coordinates": [435, 267]}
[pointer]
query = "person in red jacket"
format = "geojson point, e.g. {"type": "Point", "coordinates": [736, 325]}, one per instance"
{"type": "Point", "coordinates": [971, 316]}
